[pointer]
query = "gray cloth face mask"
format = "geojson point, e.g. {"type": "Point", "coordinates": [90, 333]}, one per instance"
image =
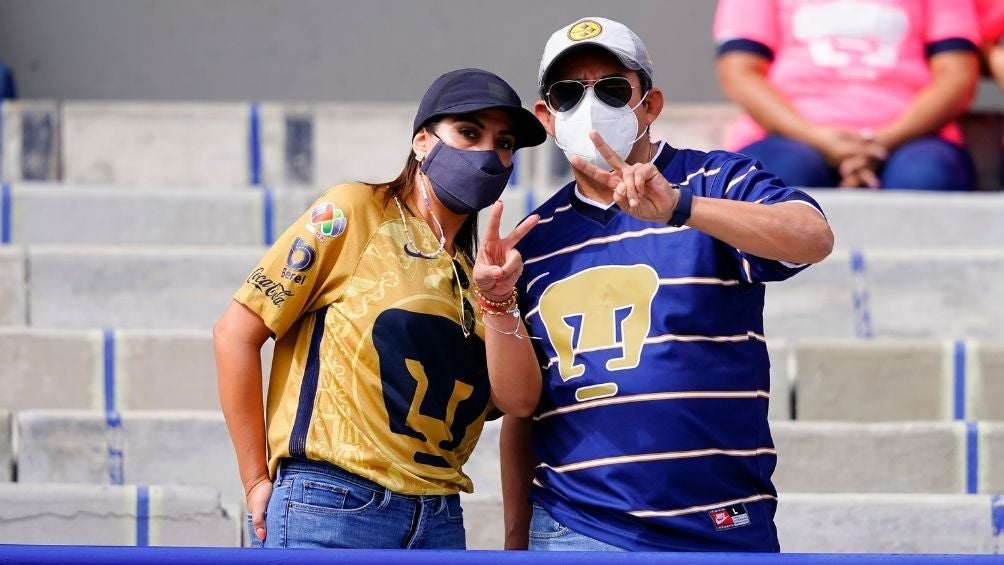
{"type": "Point", "coordinates": [465, 181]}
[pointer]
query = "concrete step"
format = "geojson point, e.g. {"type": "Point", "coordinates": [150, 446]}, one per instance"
{"type": "Point", "coordinates": [34, 213]}
{"type": "Point", "coordinates": [95, 215]}
{"type": "Point", "coordinates": [187, 448]}
{"type": "Point", "coordinates": [13, 286]}
{"type": "Point", "coordinates": [913, 219]}
{"type": "Point", "coordinates": [111, 370]}
{"type": "Point", "coordinates": [840, 523]}
{"type": "Point", "coordinates": [880, 293]}
{"type": "Point", "coordinates": [6, 447]}
{"type": "Point", "coordinates": [846, 459]}
{"type": "Point", "coordinates": [890, 523]}
{"type": "Point", "coordinates": [139, 287]}
{"type": "Point", "coordinates": [947, 293]}
{"type": "Point", "coordinates": [846, 474]}
{"type": "Point", "coordinates": [888, 380]}
{"type": "Point", "coordinates": [170, 369]}
{"type": "Point", "coordinates": [828, 380]}
{"type": "Point", "coordinates": [138, 515]}
{"type": "Point", "coordinates": [134, 215]}
{"type": "Point", "coordinates": [893, 457]}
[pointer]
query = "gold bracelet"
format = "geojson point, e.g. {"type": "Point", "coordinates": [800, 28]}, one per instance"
{"type": "Point", "coordinates": [497, 305]}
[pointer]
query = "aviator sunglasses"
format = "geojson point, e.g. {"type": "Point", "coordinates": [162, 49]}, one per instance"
{"type": "Point", "coordinates": [564, 95]}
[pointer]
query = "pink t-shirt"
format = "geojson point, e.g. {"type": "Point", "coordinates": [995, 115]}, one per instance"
{"type": "Point", "coordinates": [845, 63]}
{"type": "Point", "coordinates": [990, 14]}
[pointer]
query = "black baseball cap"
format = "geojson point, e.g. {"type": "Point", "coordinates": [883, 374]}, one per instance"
{"type": "Point", "coordinates": [465, 91]}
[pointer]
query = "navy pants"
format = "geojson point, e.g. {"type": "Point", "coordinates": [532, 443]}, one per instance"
{"type": "Point", "coordinates": [925, 163]}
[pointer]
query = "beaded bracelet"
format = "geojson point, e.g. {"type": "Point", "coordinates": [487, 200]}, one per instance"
{"type": "Point", "coordinates": [510, 311]}
{"type": "Point", "coordinates": [496, 306]}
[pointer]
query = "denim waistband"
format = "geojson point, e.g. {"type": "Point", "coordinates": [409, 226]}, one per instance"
{"type": "Point", "coordinates": [290, 465]}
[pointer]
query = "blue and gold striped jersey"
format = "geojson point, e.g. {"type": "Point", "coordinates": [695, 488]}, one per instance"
{"type": "Point", "coordinates": [652, 429]}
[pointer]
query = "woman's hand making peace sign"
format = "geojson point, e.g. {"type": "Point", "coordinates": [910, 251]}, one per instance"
{"type": "Point", "coordinates": [498, 264]}
{"type": "Point", "coordinates": [639, 189]}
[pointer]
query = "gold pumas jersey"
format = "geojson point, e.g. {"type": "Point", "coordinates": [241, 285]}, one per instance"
{"type": "Point", "coordinates": [371, 371]}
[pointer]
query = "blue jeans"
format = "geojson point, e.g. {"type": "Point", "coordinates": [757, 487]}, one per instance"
{"type": "Point", "coordinates": [546, 534]}
{"type": "Point", "coordinates": [319, 505]}
{"type": "Point", "coordinates": [925, 163]}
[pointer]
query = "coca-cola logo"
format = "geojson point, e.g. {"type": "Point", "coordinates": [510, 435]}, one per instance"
{"type": "Point", "coordinates": [273, 290]}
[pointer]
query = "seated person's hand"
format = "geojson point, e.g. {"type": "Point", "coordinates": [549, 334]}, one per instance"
{"type": "Point", "coordinates": [860, 169]}
{"type": "Point", "coordinates": [836, 144]}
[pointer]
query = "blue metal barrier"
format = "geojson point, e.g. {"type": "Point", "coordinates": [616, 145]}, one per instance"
{"type": "Point", "coordinates": [91, 555]}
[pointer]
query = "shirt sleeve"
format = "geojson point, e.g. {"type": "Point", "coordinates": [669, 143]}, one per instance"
{"type": "Point", "coordinates": [305, 267]}
{"type": "Point", "coordinates": [990, 15]}
{"type": "Point", "coordinates": [747, 25]}
{"type": "Point", "coordinates": [743, 179]}
{"type": "Point", "coordinates": [951, 20]}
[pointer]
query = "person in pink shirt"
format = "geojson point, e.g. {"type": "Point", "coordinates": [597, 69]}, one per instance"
{"type": "Point", "coordinates": [991, 18]}
{"type": "Point", "coordinates": [851, 93]}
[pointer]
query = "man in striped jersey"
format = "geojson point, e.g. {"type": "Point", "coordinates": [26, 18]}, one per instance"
{"type": "Point", "coordinates": [643, 281]}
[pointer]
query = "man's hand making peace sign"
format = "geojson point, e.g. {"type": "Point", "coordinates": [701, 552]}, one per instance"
{"type": "Point", "coordinates": [773, 232]}
{"type": "Point", "coordinates": [639, 189]}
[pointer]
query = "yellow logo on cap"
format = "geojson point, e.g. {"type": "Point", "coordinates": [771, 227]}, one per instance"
{"type": "Point", "coordinates": [586, 29]}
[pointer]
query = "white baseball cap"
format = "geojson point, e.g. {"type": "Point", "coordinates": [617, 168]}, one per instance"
{"type": "Point", "coordinates": [608, 34]}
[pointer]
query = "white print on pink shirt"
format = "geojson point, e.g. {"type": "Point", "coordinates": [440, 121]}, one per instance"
{"type": "Point", "coordinates": [851, 33]}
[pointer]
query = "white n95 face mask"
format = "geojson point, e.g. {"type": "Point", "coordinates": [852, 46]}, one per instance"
{"type": "Point", "coordinates": [618, 126]}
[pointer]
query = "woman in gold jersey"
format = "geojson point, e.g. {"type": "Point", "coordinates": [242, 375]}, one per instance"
{"type": "Point", "coordinates": [395, 337]}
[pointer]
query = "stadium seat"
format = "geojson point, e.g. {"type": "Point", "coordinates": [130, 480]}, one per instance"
{"type": "Point", "coordinates": [30, 141]}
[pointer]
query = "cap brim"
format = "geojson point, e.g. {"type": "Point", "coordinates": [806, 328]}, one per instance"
{"type": "Point", "coordinates": [570, 49]}
{"type": "Point", "coordinates": [529, 132]}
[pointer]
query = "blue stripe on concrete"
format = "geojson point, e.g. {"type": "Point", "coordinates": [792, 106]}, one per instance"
{"type": "Point", "coordinates": [514, 177]}
{"type": "Point", "coordinates": [267, 207]}
{"type": "Point", "coordinates": [254, 143]}
{"type": "Point", "coordinates": [859, 296]}
{"type": "Point", "coordinates": [6, 203]}
{"type": "Point", "coordinates": [109, 370]}
{"type": "Point", "coordinates": [997, 514]}
{"type": "Point", "coordinates": [531, 201]}
{"type": "Point", "coordinates": [113, 420]}
{"type": "Point", "coordinates": [972, 458]}
{"type": "Point", "coordinates": [960, 380]}
{"type": "Point", "coordinates": [142, 516]}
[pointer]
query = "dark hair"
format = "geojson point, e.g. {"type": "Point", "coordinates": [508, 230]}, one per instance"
{"type": "Point", "coordinates": [466, 240]}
